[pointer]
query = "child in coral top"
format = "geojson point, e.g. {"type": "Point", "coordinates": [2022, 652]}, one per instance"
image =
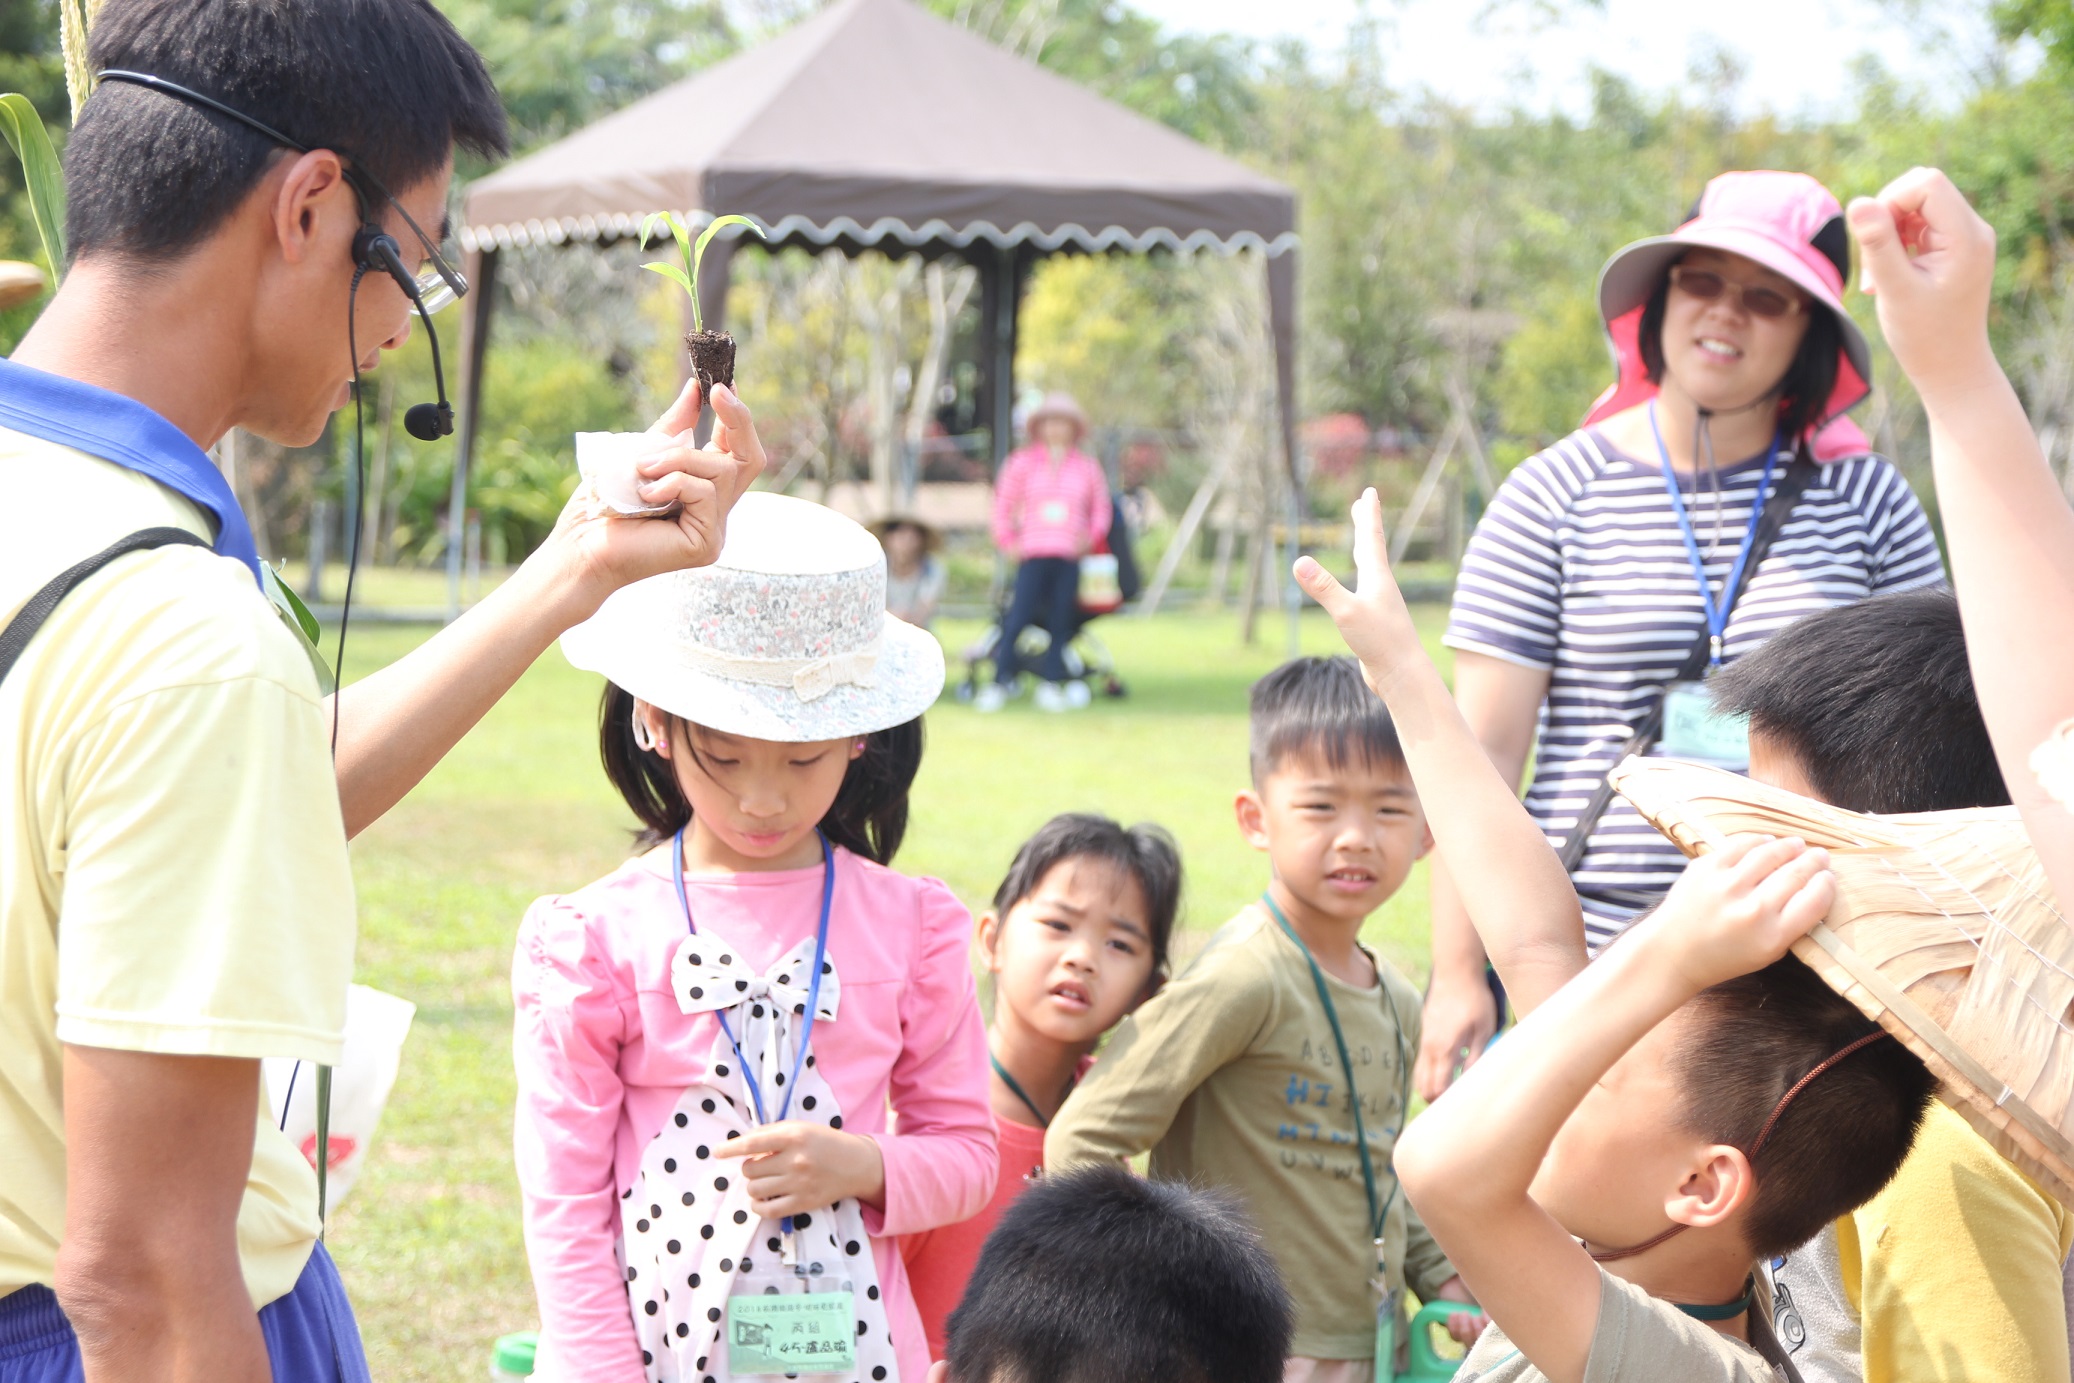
{"type": "Point", "coordinates": [711, 1039]}
{"type": "Point", "coordinates": [1076, 939]}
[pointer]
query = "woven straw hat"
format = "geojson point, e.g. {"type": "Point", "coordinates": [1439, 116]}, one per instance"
{"type": "Point", "coordinates": [785, 638]}
{"type": "Point", "coordinates": [1944, 932]}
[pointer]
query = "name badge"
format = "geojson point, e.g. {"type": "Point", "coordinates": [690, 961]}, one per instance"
{"type": "Point", "coordinates": [797, 1332]}
{"type": "Point", "coordinates": [1693, 729]}
{"type": "Point", "coordinates": [1054, 512]}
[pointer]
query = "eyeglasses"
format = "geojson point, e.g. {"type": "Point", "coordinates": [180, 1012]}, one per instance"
{"type": "Point", "coordinates": [438, 285]}
{"type": "Point", "coordinates": [1706, 285]}
{"type": "Point", "coordinates": [439, 282]}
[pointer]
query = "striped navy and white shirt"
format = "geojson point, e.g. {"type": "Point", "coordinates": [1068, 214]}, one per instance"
{"type": "Point", "coordinates": [1579, 567]}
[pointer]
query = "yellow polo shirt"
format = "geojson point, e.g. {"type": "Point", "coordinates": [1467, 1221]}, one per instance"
{"type": "Point", "coordinates": [173, 872]}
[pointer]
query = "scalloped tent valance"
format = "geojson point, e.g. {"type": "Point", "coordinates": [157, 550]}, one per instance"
{"type": "Point", "coordinates": [877, 125]}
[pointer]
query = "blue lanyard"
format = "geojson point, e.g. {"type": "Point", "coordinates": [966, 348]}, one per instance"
{"type": "Point", "coordinates": [1717, 613]}
{"type": "Point", "coordinates": [806, 1031]}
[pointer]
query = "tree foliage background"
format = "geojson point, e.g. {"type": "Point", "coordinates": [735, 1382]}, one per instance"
{"type": "Point", "coordinates": [1416, 217]}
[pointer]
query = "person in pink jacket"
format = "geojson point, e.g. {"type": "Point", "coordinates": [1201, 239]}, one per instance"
{"type": "Point", "coordinates": [750, 1058]}
{"type": "Point", "coordinates": [1051, 508]}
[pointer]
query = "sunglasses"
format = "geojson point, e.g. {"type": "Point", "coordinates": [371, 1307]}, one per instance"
{"type": "Point", "coordinates": [1706, 286]}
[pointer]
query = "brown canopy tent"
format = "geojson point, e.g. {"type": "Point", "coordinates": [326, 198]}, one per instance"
{"type": "Point", "coordinates": [876, 125]}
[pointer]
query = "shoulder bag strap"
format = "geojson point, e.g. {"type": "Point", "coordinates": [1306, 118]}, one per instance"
{"type": "Point", "coordinates": [24, 625]}
{"type": "Point", "coordinates": [1784, 496]}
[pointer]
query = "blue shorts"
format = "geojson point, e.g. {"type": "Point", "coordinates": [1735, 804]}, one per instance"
{"type": "Point", "coordinates": [310, 1334]}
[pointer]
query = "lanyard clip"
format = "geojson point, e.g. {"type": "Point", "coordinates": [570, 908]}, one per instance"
{"type": "Point", "coordinates": [1714, 649]}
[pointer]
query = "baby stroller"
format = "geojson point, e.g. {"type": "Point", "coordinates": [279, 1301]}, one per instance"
{"type": "Point", "coordinates": [1087, 657]}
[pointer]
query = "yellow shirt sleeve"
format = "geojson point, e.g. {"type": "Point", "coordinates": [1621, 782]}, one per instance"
{"type": "Point", "coordinates": [206, 901]}
{"type": "Point", "coordinates": [1960, 1267]}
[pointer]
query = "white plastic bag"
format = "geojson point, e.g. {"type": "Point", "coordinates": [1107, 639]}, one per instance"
{"type": "Point", "coordinates": [376, 1025]}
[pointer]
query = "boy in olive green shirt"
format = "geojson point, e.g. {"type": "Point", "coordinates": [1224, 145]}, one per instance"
{"type": "Point", "coordinates": [1287, 1045]}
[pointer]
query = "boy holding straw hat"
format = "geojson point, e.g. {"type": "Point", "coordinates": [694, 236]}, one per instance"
{"type": "Point", "coordinates": [1612, 1175]}
{"type": "Point", "coordinates": [1953, 1271]}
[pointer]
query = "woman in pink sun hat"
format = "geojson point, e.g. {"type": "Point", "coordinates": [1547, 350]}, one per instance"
{"type": "Point", "coordinates": [1715, 494]}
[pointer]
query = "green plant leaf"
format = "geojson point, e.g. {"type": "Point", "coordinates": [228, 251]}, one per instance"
{"type": "Point", "coordinates": [300, 622]}
{"type": "Point", "coordinates": [41, 175]}
{"type": "Point", "coordinates": [696, 255]}
{"type": "Point", "coordinates": [674, 275]}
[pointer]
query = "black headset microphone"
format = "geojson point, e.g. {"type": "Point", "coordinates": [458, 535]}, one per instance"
{"type": "Point", "coordinates": [374, 247]}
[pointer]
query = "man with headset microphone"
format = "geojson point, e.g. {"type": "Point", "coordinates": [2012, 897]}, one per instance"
{"type": "Point", "coordinates": [247, 190]}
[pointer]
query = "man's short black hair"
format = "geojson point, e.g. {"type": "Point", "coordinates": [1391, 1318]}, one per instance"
{"type": "Point", "coordinates": [1320, 708]}
{"type": "Point", "coordinates": [1876, 702]}
{"type": "Point", "coordinates": [1842, 1138]}
{"type": "Point", "coordinates": [386, 84]}
{"type": "Point", "coordinates": [1098, 1276]}
{"type": "Point", "coordinates": [1144, 852]}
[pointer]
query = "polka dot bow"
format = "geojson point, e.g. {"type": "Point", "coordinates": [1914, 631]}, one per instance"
{"type": "Point", "coordinates": [708, 975]}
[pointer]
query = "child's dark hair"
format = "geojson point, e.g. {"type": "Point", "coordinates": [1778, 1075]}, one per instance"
{"type": "Point", "coordinates": [1099, 1276]}
{"type": "Point", "coordinates": [1320, 707]}
{"type": "Point", "coordinates": [868, 818]}
{"type": "Point", "coordinates": [1837, 1142]}
{"type": "Point", "coordinates": [1875, 700]}
{"type": "Point", "coordinates": [1144, 852]}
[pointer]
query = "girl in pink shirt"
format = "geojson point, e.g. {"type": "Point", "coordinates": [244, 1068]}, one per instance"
{"type": "Point", "coordinates": [1076, 939]}
{"type": "Point", "coordinates": [715, 1040]}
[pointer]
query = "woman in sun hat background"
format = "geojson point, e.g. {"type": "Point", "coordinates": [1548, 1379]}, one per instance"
{"type": "Point", "coordinates": [1051, 503]}
{"type": "Point", "coordinates": [753, 1046]}
{"type": "Point", "coordinates": [1579, 598]}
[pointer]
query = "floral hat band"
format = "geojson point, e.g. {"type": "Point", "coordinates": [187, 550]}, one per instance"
{"type": "Point", "coordinates": [784, 638]}
{"type": "Point", "coordinates": [810, 678]}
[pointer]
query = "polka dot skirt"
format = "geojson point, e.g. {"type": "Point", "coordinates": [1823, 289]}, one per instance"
{"type": "Point", "coordinates": [689, 1240]}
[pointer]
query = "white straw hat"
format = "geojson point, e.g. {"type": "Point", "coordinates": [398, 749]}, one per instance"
{"type": "Point", "coordinates": [785, 637]}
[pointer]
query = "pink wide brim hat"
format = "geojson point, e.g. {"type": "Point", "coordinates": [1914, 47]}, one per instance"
{"type": "Point", "coordinates": [1057, 404]}
{"type": "Point", "coordinates": [1778, 221]}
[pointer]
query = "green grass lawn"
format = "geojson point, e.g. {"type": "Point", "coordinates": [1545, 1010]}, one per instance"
{"type": "Point", "coordinates": [429, 1243]}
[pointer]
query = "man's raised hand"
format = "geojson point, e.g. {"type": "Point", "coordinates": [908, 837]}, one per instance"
{"type": "Point", "coordinates": [604, 551]}
{"type": "Point", "coordinates": [1372, 617]}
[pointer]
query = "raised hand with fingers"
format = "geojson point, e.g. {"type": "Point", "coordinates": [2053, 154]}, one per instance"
{"type": "Point", "coordinates": [1929, 259]}
{"type": "Point", "coordinates": [604, 551]}
{"type": "Point", "coordinates": [1372, 617]}
{"type": "Point", "coordinates": [1741, 906]}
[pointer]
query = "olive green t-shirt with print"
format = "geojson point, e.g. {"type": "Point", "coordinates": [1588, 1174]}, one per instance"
{"type": "Point", "coordinates": [1231, 1077]}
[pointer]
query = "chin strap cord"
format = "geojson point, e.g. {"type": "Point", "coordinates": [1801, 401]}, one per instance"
{"type": "Point", "coordinates": [1757, 1145]}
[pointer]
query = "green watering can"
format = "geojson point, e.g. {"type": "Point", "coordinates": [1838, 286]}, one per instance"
{"type": "Point", "coordinates": [1426, 1364]}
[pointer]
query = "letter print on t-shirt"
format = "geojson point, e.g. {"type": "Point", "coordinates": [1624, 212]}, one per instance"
{"type": "Point", "coordinates": [688, 1239]}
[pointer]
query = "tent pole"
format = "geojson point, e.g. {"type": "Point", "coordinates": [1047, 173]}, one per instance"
{"type": "Point", "coordinates": [1281, 311]}
{"type": "Point", "coordinates": [1005, 302]}
{"type": "Point", "coordinates": [480, 268]}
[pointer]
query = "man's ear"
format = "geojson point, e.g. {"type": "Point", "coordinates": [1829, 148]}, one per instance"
{"type": "Point", "coordinates": [1717, 1185]}
{"type": "Point", "coordinates": [986, 935]}
{"type": "Point", "coordinates": [940, 1371]}
{"type": "Point", "coordinates": [1252, 817]}
{"type": "Point", "coordinates": [311, 203]}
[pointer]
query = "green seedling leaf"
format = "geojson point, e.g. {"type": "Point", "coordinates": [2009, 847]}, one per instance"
{"type": "Point", "coordinates": [674, 275]}
{"type": "Point", "coordinates": [41, 175]}
{"type": "Point", "coordinates": [693, 253]}
{"type": "Point", "coordinates": [698, 254]}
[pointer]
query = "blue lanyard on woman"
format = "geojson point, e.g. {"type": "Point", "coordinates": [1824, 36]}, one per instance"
{"type": "Point", "coordinates": [1717, 612]}
{"type": "Point", "coordinates": [806, 1031]}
